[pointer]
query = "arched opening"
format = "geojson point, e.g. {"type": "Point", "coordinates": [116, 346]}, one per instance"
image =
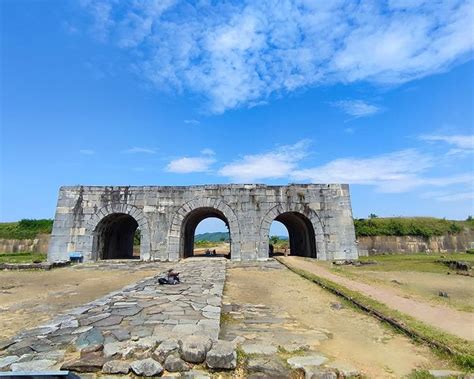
{"type": "Point", "coordinates": [298, 239]}
{"type": "Point", "coordinates": [114, 237]}
{"type": "Point", "coordinates": [189, 231]}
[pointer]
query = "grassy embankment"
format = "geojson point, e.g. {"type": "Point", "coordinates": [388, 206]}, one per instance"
{"type": "Point", "coordinates": [459, 350]}
{"type": "Point", "coordinates": [420, 276]}
{"type": "Point", "coordinates": [24, 229]}
{"type": "Point", "coordinates": [410, 226]}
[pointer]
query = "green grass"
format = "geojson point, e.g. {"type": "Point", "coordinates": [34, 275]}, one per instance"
{"type": "Point", "coordinates": [459, 350]}
{"type": "Point", "coordinates": [414, 262]}
{"type": "Point", "coordinates": [22, 257]}
{"type": "Point", "coordinates": [409, 226]}
{"type": "Point", "coordinates": [25, 229]}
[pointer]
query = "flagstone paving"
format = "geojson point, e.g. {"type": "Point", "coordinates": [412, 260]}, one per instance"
{"type": "Point", "coordinates": [139, 314]}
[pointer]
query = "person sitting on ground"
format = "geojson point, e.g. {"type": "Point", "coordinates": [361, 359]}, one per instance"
{"type": "Point", "coordinates": [173, 277]}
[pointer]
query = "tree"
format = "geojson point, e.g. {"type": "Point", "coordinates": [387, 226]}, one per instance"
{"type": "Point", "coordinates": [274, 240]}
{"type": "Point", "coordinates": [373, 215]}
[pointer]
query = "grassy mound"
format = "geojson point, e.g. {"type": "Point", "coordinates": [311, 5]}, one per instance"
{"type": "Point", "coordinates": [409, 226]}
{"type": "Point", "coordinates": [25, 229]}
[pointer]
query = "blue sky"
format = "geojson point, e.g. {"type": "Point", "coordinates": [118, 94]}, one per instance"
{"type": "Point", "coordinates": [176, 93]}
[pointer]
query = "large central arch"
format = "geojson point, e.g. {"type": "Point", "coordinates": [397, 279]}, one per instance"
{"type": "Point", "coordinates": [305, 229]}
{"type": "Point", "coordinates": [189, 215]}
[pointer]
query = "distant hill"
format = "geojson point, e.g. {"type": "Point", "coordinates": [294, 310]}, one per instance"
{"type": "Point", "coordinates": [212, 237]}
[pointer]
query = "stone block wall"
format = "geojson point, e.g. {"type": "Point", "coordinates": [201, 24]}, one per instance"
{"type": "Point", "coordinates": [162, 213]}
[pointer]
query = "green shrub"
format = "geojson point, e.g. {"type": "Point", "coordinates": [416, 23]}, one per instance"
{"type": "Point", "coordinates": [410, 226]}
{"type": "Point", "coordinates": [25, 229]}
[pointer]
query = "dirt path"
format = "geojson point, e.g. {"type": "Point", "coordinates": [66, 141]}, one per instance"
{"type": "Point", "coordinates": [449, 320]}
{"type": "Point", "coordinates": [274, 306]}
{"type": "Point", "coordinates": [28, 298]}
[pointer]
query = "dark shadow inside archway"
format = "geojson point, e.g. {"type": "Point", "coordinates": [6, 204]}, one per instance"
{"type": "Point", "coordinates": [301, 236]}
{"type": "Point", "coordinates": [114, 236]}
{"type": "Point", "coordinates": [190, 223]}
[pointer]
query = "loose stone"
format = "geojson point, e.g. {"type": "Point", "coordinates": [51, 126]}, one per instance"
{"type": "Point", "coordinates": [39, 365]}
{"type": "Point", "coordinates": [116, 367]}
{"type": "Point", "coordinates": [222, 356]}
{"type": "Point", "coordinates": [146, 367]}
{"type": "Point", "coordinates": [174, 363]}
{"type": "Point", "coordinates": [164, 349]}
{"type": "Point", "coordinates": [194, 349]}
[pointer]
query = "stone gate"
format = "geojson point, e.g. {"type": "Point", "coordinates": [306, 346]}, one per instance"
{"type": "Point", "coordinates": [100, 222]}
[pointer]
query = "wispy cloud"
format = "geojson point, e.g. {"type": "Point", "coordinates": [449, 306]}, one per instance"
{"type": "Point", "coordinates": [399, 171]}
{"type": "Point", "coordinates": [444, 196]}
{"type": "Point", "coordinates": [278, 163]}
{"type": "Point", "coordinates": [139, 150]}
{"type": "Point", "coordinates": [357, 108]}
{"type": "Point", "coordinates": [242, 53]}
{"type": "Point", "coordinates": [208, 151]}
{"type": "Point", "coordinates": [87, 152]}
{"type": "Point", "coordinates": [192, 122]}
{"type": "Point", "coordinates": [461, 144]}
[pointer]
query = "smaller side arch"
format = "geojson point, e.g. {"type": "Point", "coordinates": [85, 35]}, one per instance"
{"type": "Point", "coordinates": [175, 234]}
{"type": "Point", "coordinates": [120, 208]}
{"type": "Point", "coordinates": [280, 209]}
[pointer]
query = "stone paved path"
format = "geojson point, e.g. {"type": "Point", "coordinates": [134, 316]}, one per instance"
{"type": "Point", "coordinates": [135, 314]}
{"type": "Point", "coordinates": [447, 319]}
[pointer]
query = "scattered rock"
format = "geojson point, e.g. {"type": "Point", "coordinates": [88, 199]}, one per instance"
{"type": "Point", "coordinates": [252, 348]}
{"type": "Point", "coordinates": [337, 306]}
{"type": "Point", "coordinates": [90, 362]}
{"type": "Point", "coordinates": [222, 356]}
{"type": "Point", "coordinates": [396, 282]}
{"type": "Point", "coordinates": [146, 367]}
{"type": "Point", "coordinates": [194, 348]}
{"type": "Point", "coordinates": [269, 366]}
{"type": "Point", "coordinates": [307, 360]}
{"type": "Point", "coordinates": [174, 363]}
{"type": "Point", "coordinates": [344, 369]}
{"type": "Point", "coordinates": [116, 367]}
{"type": "Point", "coordinates": [445, 373]}
{"type": "Point", "coordinates": [39, 365]}
{"type": "Point", "coordinates": [92, 348]}
{"type": "Point", "coordinates": [147, 343]}
{"type": "Point", "coordinates": [314, 372]}
{"type": "Point", "coordinates": [443, 294]}
{"type": "Point", "coordinates": [164, 349]}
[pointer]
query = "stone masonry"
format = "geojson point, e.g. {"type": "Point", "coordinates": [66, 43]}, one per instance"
{"type": "Point", "coordinates": [99, 221]}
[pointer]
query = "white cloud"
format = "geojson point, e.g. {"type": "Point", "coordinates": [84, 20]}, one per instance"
{"type": "Point", "coordinates": [399, 171]}
{"type": "Point", "coordinates": [444, 196]}
{"type": "Point", "coordinates": [271, 165]}
{"type": "Point", "coordinates": [87, 152]}
{"type": "Point", "coordinates": [187, 165]}
{"type": "Point", "coordinates": [192, 122]}
{"type": "Point", "coordinates": [460, 142]}
{"type": "Point", "coordinates": [241, 53]}
{"type": "Point", "coordinates": [357, 108]}
{"type": "Point", "coordinates": [207, 151]}
{"type": "Point", "coordinates": [393, 172]}
{"type": "Point", "coordinates": [140, 150]}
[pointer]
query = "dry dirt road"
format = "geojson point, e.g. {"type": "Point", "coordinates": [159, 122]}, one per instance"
{"type": "Point", "coordinates": [285, 308]}
{"type": "Point", "coordinates": [450, 320]}
{"type": "Point", "coordinates": [29, 298]}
